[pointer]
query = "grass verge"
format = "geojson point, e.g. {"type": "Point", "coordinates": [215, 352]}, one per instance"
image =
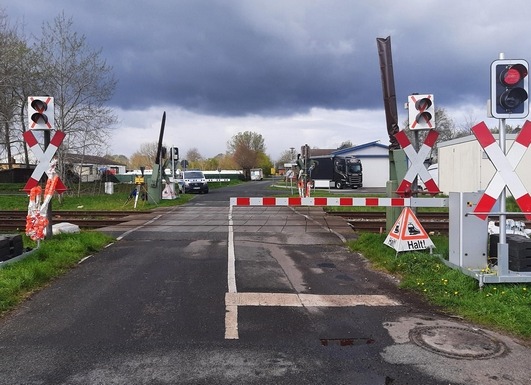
{"type": "Point", "coordinates": [50, 260]}
{"type": "Point", "coordinates": [92, 197]}
{"type": "Point", "coordinates": [505, 307]}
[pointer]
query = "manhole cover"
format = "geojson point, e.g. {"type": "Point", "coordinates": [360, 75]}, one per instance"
{"type": "Point", "coordinates": [456, 342]}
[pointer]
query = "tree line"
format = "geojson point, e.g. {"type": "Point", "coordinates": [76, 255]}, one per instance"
{"type": "Point", "coordinates": [245, 150]}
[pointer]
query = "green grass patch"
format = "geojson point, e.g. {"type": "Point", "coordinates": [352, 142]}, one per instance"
{"type": "Point", "coordinates": [92, 197]}
{"type": "Point", "coordinates": [51, 259]}
{"type": "Point", "coordinates": [505, 307]}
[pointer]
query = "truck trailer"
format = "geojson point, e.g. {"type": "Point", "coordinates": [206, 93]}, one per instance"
{"type": "Point", "coordinates": [336, 171]}
{"type": "Point", "coordinates": [257, 174]}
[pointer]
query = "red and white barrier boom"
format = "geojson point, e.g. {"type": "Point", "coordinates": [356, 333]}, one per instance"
{"type": "Point", "coordinates": [339, 201]}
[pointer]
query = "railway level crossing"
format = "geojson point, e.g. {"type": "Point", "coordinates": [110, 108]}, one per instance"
{"type": "Point", "coordinates": [235, 299]}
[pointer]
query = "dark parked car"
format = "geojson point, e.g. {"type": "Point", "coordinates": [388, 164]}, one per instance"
{"type": "Point", "coordinates": [195, 181]}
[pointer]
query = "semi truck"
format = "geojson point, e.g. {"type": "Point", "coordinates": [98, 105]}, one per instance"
{"type": "Point", "coordinates": [336, 171]}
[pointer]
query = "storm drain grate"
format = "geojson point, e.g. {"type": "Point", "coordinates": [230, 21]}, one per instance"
{"type": "Point", "coordinates": [457, 342]}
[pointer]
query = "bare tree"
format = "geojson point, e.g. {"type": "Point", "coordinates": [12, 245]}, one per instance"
{"type": "Point", "coordinates": [118, 158]}
{"type": "Point", "coordinates": [445, 127]}
{"type": "Point", "coordinates": [246, 158]}
{"type": "Point", "coordinates": [12, 78]}
{"type": "Point", "coordinates": [193, 155]}
{"type": "Point", "coordinates": [345, 144]}
{"type": "Point", "coordinates": [286, 157]}
{"type": "Point", "coordinates": [245, 148]}
{"type": "Point", "coordinates": [145, 156]}
{"type": "Point", "coordinates": [226, 162]}
{"type": "Point", "coordinates": [466, 127]}
{"type": "Point", "coordinates": [81, 84]}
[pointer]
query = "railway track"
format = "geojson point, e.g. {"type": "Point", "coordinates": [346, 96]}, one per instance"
{"type": "Point", "coordinates": [362, 221]}
{"type": "Point", "coordinates": [13, 220]}
{"type": "Point", "coordinates": [375, 222]}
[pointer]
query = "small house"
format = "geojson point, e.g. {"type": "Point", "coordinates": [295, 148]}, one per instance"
{"type": "Point", "coordinates": [91, 168]}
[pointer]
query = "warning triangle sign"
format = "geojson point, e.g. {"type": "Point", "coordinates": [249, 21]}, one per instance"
{"type": "Point", "coordinates": [407, 234]}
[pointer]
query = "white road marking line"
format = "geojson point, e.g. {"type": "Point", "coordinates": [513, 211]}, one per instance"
{"type": "Point", "coordinates": [231, 311]}
{"type": "Point", "coordinates": [306, 300]}
{"type": "Point", "coordinates": [231, 322]}
{"type": "Point", "coordinates": [231, 270]}
{"type": "Point", "coordinates": [233, 299]}
{"type": "Point", "coordinates": [84, 259]}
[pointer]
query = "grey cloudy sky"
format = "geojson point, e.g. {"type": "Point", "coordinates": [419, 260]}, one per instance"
{"type": "Point", "coordinates": [295, 71]}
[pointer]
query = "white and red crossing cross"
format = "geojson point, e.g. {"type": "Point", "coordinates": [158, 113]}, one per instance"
{"type": "Point", "coordinates": [44, 158]}
{"type": "Point", "coordinates": [417, 163]}
{"type": "Point", "coordinates": [505, 169]}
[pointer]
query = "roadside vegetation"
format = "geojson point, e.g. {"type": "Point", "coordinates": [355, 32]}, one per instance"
{"type": "Point", "coordinates": [505, 307]}
{"type": "Point", "coordinates": [92, 197]}
{"type": "Point", "coordinates": [51, 259]}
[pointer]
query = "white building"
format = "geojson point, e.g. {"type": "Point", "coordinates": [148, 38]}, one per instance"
{"type": "Point", "coordinates": [465, 167]}
{"type": "Point", "coordinates": [374, 158]}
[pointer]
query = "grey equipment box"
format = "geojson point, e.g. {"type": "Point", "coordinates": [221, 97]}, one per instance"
{"type": "Point", "coordinates": [468, 233]}
{"type": "Point", "coordinates": [10, 246]}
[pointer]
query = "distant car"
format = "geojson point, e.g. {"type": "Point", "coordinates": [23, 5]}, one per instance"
{"type": "Point", "coordinates": [195, 181]}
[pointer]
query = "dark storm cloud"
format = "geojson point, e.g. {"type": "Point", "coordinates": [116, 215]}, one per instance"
{"type": "Point", "coordinates": [216, 62]}
{"type": "Point", "coordinates": [236, 58]}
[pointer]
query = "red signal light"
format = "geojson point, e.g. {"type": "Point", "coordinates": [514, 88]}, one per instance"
{"type": "Point", "coordinates": [512, 75]}
{"type": "Point", "coordinates": [509, 89]}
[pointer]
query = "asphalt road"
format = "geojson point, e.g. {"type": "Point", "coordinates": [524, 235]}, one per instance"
{"type": "Point", "coordinates": [208, 294]}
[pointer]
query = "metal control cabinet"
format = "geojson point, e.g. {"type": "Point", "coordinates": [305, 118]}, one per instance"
{"type": "Point", "coordinates": [468, 234]}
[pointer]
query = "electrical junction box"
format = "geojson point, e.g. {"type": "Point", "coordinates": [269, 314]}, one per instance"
{"type": "Point", "coordinates": [10, 246]}
{"type": "Point", "coordinates": [468, 233]}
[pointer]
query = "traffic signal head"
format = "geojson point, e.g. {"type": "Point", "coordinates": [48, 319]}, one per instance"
{"type": "Point", "coordinates": [40, 112]}
{"type": "Point", "coordinates": [175, 154]}
{"type": "Point", "coordinates": [421, 112]}
{"type": "Point", "coordinates": [509, 87]}
{"type": "Point", "coordinates": [300, 162]}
